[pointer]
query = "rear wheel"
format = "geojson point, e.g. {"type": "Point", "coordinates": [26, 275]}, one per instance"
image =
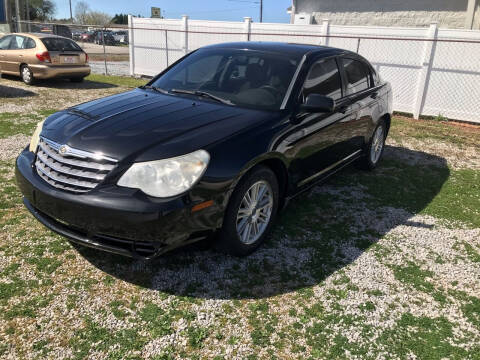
{"type": "Point", "coordinates": [250, 213]}
{"type": "Point", "coordinates": [374, 149]}
{"type": "Point", "coordinates": [77, 79]}
{"type": "Point", "coordinates": [27, 75]}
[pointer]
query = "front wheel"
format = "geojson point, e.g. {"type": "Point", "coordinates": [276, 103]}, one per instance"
{"type": "Point", "coordinates": [250, 213]}
{"type": "Point", "coordinates": [27, 75]}
{"type": "Point", "coordinates": [374, 149]}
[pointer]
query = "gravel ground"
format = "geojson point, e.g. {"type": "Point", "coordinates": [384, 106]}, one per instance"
{"type": "Point", "coordinates": [382, 265]}
{"type": "Point", "coordinates": [119, 68]}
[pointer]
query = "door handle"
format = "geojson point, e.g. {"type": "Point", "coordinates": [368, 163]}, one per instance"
{"type": "Point", "coordinates": [374, 95]}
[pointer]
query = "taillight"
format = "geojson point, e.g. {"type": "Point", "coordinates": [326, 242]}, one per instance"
{"type": "Point", "coordinates": [86, 58]}
{"type": "Point", "coordinates": [45, 57]}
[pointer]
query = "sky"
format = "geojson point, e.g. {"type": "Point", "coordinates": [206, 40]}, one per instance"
{"type": "Point", "coordinates": [228, 10]}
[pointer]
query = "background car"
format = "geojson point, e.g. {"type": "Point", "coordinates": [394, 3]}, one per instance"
{"type": "Point", "coordinates": [104, 36]}
{"type": "Point", "coordinates": [121, 36]}
{"type": "Point", "coordinates": [217, 143]}
{"type": "Point", "coordinates": [42, 56]}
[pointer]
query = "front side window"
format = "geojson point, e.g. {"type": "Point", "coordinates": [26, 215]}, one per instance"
{"type": "Point", "coordinates": [357, 75]}
{"type": "Point", "coordinates": [5, 42]}
{"type": "Point", "coordinates": [324, 79]}
{"type": "Point", "coordinates": [242, 77]}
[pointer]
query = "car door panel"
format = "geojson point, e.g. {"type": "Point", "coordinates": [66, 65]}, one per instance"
{"type": "Point", "coordinates": [14, 55]}
{"type": "Point", "coordinates": [319, 140]}
{"type": "Point", "coordinates": [363, 95]}
{"type": "Point", "coordinates": [4, 49]}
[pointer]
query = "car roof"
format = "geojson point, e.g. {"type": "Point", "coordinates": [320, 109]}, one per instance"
{"type": "Point", "coordinates": [40, 35]}
{"type": "Point", "coordinates": [281, 48]}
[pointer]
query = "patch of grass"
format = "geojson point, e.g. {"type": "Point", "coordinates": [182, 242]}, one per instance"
{"type": "Point", "coordinates": [472, 253]}
{"type": "Point", "coordinates": [263, 323]}
{"type": "Point", "coordinates": [123, 81]}
{"type": "Point", "coordinates": [452, 195]}
{"type": "Point", "coordinates": [403, 128]}
{"type": "Point", "coordinates": [427, 338]}
{"type": "Point", "coordinates": [413, 275]}
{"type": "Point", "coordinates": [28, 308]}
{"type": "Point", "coordinates": [471, 310]}
{"type": "Point", "coordinates": [45, 265]}
{"type": "Point", "coordinates": [196, 336]}
{"type": "Point", "coordinates": [94, 337]}
{"type": "Point", "coordinates": [16, 287]}
{"type": "Point", "coordinates": [159, 322]}
{"type": "Point", "coordinates": [116, 308]}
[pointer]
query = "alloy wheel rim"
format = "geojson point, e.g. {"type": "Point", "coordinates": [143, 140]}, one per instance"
{"type": "Point", "coordinates": [254, 212]}
{"type": "Point", "coordinates": [377, 144]}
{"type": "Point", "coordinates": [26, 74]}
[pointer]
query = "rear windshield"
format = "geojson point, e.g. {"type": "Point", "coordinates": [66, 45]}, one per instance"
{"type": "Point", "coordinates": [59, 44]}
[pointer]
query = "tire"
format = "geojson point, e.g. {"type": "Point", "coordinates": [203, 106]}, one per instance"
{"type": "Point", "coordinates": [77, 79]}
{"type": "Point", "coordinates": [27, 75]}
{"type": "Point", "coordinates": [237, 236]}
{"type": "Point", "coordinates": [374, 149]}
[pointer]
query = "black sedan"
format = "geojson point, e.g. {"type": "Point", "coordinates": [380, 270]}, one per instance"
{"type": "Point", "coordinates": [216, 143]}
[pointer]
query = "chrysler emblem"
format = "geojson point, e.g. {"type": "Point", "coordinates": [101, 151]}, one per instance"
{"type": "Point", "coordinates": [63, 149]}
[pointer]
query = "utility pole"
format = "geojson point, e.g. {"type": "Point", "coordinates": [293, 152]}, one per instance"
{"type": "Point", "coordinates": [17, 15]}
{"type": "Point", "coordinates": [71, 16]}
{"type": "Point", "coordinates": [27, 15]}
{"type": "Point", "coordinates": [261, 10]}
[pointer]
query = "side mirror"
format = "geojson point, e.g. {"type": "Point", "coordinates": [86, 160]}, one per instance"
{"type": "Point", "coordinates": [318, 103]}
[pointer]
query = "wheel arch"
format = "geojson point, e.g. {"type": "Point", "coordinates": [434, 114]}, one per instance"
{"type": "Point", "coordinates": [20, 67]}
{"type": "Point", "coordinates": [275, 162]}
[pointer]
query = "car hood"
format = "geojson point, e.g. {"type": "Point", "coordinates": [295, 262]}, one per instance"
{"type": "Point", "coordinates": [128, 124]}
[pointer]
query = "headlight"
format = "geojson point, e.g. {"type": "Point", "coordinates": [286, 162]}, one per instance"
{"type": "Point", "coordinates": [36, 137]}
{"type": "Point", "coordinates": [167, 177]}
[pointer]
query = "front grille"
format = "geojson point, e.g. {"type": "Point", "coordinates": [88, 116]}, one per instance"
{"type": "Point", "coordinates": [71, 169]}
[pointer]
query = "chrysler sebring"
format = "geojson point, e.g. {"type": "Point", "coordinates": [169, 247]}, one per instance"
{"type": "Point", "coordinates": [216, 143]}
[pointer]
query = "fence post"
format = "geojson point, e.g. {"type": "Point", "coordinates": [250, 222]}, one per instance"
{"type": "Point", "coordinates": [166, 45]}
{"type": "Point", "coordinates": [424, 76]}
{"type": "Point", "coordinates": [131, 51]}
{"type": "Point", "coordinates": [185, 34]}
{"type": "Point", "coordinates": [247, 26]}
{"type": "Point", "coordinates": [325, 32]}
{"type": "Point", "coordinates": [104, 51]}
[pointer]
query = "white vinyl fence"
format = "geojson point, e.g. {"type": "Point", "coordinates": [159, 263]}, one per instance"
{"type": "Point", "coordinates": [432, 71]}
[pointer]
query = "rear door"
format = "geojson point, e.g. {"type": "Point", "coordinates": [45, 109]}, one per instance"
{"type": "Point", "coordinates": [360, 92]}
{"type": "Point", "coordinates": [64, 52]}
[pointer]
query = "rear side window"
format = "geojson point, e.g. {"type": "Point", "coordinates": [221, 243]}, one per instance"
{"type": "Point", "coordinates": [324, 79]}
{"type": "Point", "coordinates": [29, 44]}
{"type": "Point", "coordinates": [60, 44]}
{"type": "Point", "coordinates": [357, 75]}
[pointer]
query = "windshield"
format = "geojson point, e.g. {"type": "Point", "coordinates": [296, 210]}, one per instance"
{"type": "Point", "coordinates": [241, 77]}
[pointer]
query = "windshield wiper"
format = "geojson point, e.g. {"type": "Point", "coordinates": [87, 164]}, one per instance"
{"type": "Point", "coordinates": [202, 94]}
{"type": "Point", "coordinates": [155, 88]}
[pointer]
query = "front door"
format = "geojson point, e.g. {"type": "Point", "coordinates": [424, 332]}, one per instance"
{"type": "Point", "coordinates": [4, 46]}
{"type": "Point", "coordinates": [15, 54]}
{"type": "Point", "coordinates": [318, 140]}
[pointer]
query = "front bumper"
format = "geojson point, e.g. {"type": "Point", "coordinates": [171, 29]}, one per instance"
{"type": "Point", "coordinates": [60, 71]}
{"type": "Point", "coordinates": [115, 219]}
